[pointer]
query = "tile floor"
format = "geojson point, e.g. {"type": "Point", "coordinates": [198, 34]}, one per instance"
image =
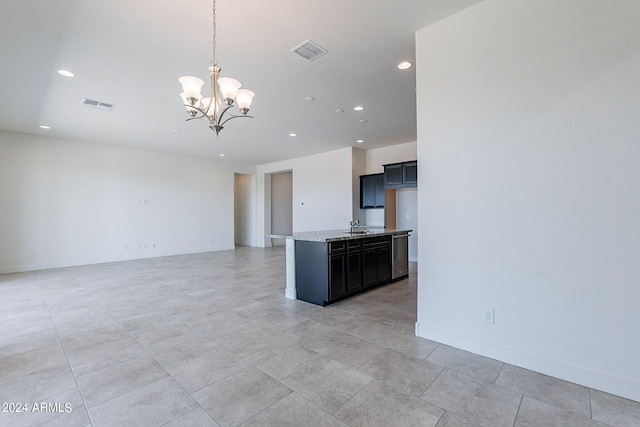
{"type": "Point", "coordinates": [209, 339]}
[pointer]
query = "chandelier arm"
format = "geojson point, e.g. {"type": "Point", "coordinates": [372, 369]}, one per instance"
{"type": "Point", "coordinates": [199, 110]}
{"type": "Point", "coordinates": [235, 116]}
{"type": "Point", "coordinates": [222, 113]}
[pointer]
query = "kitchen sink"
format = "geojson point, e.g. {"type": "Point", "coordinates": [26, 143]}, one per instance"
{"type": "Point", "coordinates": [356, 232]}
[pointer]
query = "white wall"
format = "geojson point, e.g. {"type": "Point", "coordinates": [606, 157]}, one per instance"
{"type": "Point", "coordinates": [377, 157]}
{"type": "Point", "coordinates": [321, 200]}
{"type": "Point", "coordinates": [66, 203]}
{"type": "Point", "coordinates": [529, 154]}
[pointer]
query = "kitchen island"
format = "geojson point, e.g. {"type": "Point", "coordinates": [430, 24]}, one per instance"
{"type": "Point", "coordinates": [326, 266]}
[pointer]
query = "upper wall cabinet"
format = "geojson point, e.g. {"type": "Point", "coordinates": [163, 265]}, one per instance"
{"type": "Point", "coordinates": [401, 175]}
{"type": "Point", "coordinates": [372, 191]}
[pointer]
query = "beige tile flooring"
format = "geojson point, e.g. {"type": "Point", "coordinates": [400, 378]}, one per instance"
{"type": "Point", "coordinates": [209, 339]}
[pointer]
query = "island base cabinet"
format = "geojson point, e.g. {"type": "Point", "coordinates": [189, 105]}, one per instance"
{"type": "Point", "coordinates": [354, 271]}
{"type": "Point", "coordinates": [328, 272]}
{"type": "Point", "coordinates": [370, 271]}
{"type": "Point", "coordinates": [376, 256]}
{"type": "Point", "coordinates": [311, 272]}
{"type": "Point", "coordinates": [337, 277]}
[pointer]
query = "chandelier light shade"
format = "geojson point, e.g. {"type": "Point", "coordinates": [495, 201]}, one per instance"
{"type": "Point", "coordinates": [225, 94]}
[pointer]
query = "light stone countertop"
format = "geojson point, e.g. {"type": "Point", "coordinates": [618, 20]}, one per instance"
{"type": "Point", "coordinates": [337, 235]}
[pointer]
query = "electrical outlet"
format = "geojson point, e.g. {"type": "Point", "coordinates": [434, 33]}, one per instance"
{"type": "Point", "coordinates": [488, 315]}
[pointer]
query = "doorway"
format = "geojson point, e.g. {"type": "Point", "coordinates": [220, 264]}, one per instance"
{"type": "Point", "coordinates": [281, 206]}
{"type": "Point", "coordinates": [244, 209]}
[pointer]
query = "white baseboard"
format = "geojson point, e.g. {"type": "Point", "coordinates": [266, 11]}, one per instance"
{"type": "Point", "coordinates": [576, 374]}
{"type": "Point", "coordinates": [291, 293]}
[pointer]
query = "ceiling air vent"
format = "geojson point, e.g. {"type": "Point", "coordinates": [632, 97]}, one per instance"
{"type": "Point", "coordinates": [97, 104]}
{"type": "Point", "coordinates": [309, 50]}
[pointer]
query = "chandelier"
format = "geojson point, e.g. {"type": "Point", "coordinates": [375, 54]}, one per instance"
{"type": "Point", "coordinates": [224, 91]}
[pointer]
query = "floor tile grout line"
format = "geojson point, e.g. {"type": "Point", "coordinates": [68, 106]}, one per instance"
{"type": "Point", "coordinates": [515, 420]}
{"type": "Point", "coordinates": [464, 416]}
{"type": "Point", "coordinates": [303, 397]}
{"type": "Point", "coordinates": [520, 393]}
{"type": "Point", "coordinates": [502, 364]}
{"type": "Point", "coordinates": [352, 397]}
{"type": "Point", "coordinates": [264, 409]}
{"type": "Point", "coordinates": [574, 411]}
{"type": "Point", "coordinates": [434, 380]}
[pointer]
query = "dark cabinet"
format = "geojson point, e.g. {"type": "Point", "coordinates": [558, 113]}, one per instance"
{"type": "Point", "coordinates": [401, 175]}
{"type": "Point", "coordinates": [372, 191]}
{"type": "Point", "coordinates": [393, 175]}
{"type": "Point", "coordinates": [345, 268]}
{"type": "Point", "coordinates": [376, 260]}
{"type": "Point", "coordinates": [337, 276]}
{"type": "Point", "coordinates": [327, 272]}
{"type": "Point", "coordinates": [354, 266]}
{"type": "Point", "coordinates": [370, 270]}
{"type": "Point", "coordinates": [410, 171]}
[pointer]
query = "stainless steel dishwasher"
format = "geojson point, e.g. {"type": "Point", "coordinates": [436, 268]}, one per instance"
{"type": "Point", "coordinates": [400, 256]}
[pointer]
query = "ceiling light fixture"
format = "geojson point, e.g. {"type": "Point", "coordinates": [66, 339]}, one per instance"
{"type": "Point", "coordinates": [224, 90]}
{"type": "Point", "coordinates": [358, 108]}
{"type": "Point", "coordinates": [66, 73]}
{"type": "Point", "coordinates": [45, 127]}
{"type": "Point", "coordinates": [405, 65]}
{"type": "Point", "coordinates": [292, 134]}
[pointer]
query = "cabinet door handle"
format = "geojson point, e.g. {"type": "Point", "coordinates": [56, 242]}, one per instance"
{"type": "Point", "coordinates": [395, 236]}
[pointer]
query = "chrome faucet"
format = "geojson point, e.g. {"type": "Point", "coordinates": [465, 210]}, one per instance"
{"type": "Point", "coordinates": [352, 224]}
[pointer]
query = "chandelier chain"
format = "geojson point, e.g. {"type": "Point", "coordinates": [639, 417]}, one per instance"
{"type": "Point", "coordinates": [214, 60]}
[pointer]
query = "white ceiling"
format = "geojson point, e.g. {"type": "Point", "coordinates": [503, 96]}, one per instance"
{"type": "Point", "coordinates": [131, 53]}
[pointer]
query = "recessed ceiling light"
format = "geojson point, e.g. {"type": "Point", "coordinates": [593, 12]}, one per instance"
{"type": "Point", "coordinates": [360, 141]}
{"type": "Point", "coordinates": [45, 127]}
{"type": "Point", "coordinates": [339, 111]}
{"type": "Point", "coordinates": [358, 108]}
{"type": "Point", "coordinates": [405, 65]}
{"type": "Point", "coordinates": [363, 121]}
{"type": "Point", "coordinates": [220, 155]}
{"type": "Point", "coordinates": [292, 134]}
{"type": "Point", "coordinates": [309, 98]}
{"type": "Point", "coordinates": [66, 73]}
{"type": "Point", "coordinates": [175, 130]}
